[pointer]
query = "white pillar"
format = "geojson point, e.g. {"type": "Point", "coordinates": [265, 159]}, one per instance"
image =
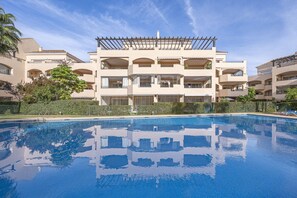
{"type": "Point", "coordinates": [155, 98]}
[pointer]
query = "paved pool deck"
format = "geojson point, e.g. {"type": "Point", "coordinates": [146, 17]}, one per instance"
{"type": "Point", "coordinates": [52, 118]}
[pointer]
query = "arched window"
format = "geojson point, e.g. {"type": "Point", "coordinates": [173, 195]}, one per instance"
{"type": "Point", "coordinates": [5, 69]}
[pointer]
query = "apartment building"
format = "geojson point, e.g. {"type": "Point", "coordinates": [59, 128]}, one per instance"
{"type": "Point", "coordinates": [138, 71]}
{"type": "Point", "coordinates": [142, 71]}
{"type": "Point", "coordinates": [12, 66]}
{"type": "Point", "coordinates": [274, 78]}
{"type": "Point", "coordinates": [41, 62]}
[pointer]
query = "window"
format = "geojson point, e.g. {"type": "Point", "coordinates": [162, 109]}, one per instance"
{"type": "Point", "coordinates": [5, 69]}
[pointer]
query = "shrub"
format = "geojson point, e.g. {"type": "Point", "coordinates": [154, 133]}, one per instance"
{"type": "Point", "coordinates": [222, 107]}
{"type": "Point", "coordinates": [9, 107]}
{"type": "Point", "coordinates": [66, 107]}
{"type": "Point", "coordinates": [87, 107]}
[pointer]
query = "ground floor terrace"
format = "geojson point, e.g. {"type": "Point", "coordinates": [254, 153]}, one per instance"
{"type": "Point", "coordinates": [151, 99]}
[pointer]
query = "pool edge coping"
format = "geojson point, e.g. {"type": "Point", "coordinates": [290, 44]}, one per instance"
{"type": "Point", "coordinates": [138, 116]}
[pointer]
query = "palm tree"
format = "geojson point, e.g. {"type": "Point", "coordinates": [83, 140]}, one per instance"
{"type": "Point", "coordinates": [9, 34]}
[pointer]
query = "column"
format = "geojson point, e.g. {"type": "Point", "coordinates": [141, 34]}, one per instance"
{"type": "Point", "coordinates": [182, 98]}
{"type": "Point", "coordinates": [130, 100]}
{"type": "Point", "coordinates": [155, 98]}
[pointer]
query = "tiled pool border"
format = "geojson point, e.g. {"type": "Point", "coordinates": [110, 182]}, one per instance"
{"type": "Point", "coordinates": [43, 119]}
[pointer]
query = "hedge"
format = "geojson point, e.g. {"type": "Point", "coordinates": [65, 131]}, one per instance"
{"type": "Point", "coordinates": [73, 107]}
{"type": "Point", "coordinates": [80, 107]}
{"type": "Point", "coordinates": [9, 107]}
{"type": "Point", "coordinates": [66, 107]}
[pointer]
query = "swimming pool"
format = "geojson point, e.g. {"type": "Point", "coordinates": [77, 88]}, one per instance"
{"type": "Point", "coordinates": [198, 156]}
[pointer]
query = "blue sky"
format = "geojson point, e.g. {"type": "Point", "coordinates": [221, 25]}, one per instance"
{"type": "Point", "coordinates": [252, 30]}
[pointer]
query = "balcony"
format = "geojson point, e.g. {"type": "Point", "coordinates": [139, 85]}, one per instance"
{"type": "Point", "coordinates": [155, 89]}
{"type": "Point", "coordinates": [259, 87]}
{"type": "Point", "coordinates": [286, 69]}
{"type": "Point", "coordinates": [268, 87]}
{"type": "Point", "coordinates": [199, 91]}
{"type": "Point", "coordinates": [279, 97]}
{"type": "Point", "coordinates": [232, 93]}
{"type": "Point", "coordinates": [87, 93]}
{"type": "Point", "coordinates": [155, 69]}
{"type": "Point", "coordinates": [109, 91]}
{"type": "Point", "coordinates": [286, 82]}
{"type": "Point", "coordinates": [259, 97]}
{"type": "Point", "coordinates": [87, 78]}
{"type": "Point", "coordinates": [176, 89]}
{"type": "Point", "coordinates": [227, 78]}
{"type": "Point", "coordinates": [113, 72]}
{"type": "Point", "coordinates": [198, 72]}
{"type": "Point", "coordinates": [231, 64]}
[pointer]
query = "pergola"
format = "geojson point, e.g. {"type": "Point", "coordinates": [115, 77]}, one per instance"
{"type": "Point", "coordinates": [149, 43]}
{"type": "Point", "coordinates": [279, 61]}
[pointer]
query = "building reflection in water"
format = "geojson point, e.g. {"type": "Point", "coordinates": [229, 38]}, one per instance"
{"type": "Point", "coordinates": [137, 149]}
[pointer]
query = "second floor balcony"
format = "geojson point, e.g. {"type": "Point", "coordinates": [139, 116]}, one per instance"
{"type": "Point", "coordinates": [232, 92]}
{"type": "Point", "coordinates": [227, 78]}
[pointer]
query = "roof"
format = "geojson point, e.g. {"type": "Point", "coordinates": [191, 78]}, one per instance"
{"type": "Point", "coordinates": [285, 59]}
{"type": "Point", "coordinates": [149, 43]}
{"type": "Point", "coordinates": [26, 38]}
{"type": "Point", "coordinates": [59, 51]}
{"type": "Point", "coordinates": [264, 65]}
{"type": "Point", "coordinates": [50, 51]}
{"type": "Point", "coordinates": [225, 52]}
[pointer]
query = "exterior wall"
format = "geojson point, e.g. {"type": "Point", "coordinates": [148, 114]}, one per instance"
{"type": "Point", "coordinates": [231, 78]}
{"type": "Point", "coordinates": [283, 77]}
{"type": "Point", "coordinates": [155, 70]}
{"type": "Point", "coordinates": [218, 60]}
{"type": "Point", "coordinates": [274, 77]}
{"type": "Point", "coordinates": [184, 83]}
{"type": "Point", "coordinates": [44, 62]}
{"type": "Point", "coordinates": [17, 64]}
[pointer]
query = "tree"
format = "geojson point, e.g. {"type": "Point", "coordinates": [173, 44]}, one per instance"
{"type": "Point", "coordinates": [250, 96]}
{"type": "Point", "coordinates": [15, 91]}
{"type": "Point", "coordinates": [66, 81]}
{"type": "Point", "coordinates": [9, 34]}
{"type": "Point", "coordinates": [41, 89]}
{"type": "Point", "coordinates": [251, 93]}
{"type": "Point", "coordinates": [291, 94]}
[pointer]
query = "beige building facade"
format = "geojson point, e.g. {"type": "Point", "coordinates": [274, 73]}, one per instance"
{"type": "Point", "coordinates": [140, 71]}
{"type": "Point", "coordinates": [12, 66]}
{"type": "Point", "coordinates": [143, 71]}
{"type": "Point", "coordinates": [274, 78]}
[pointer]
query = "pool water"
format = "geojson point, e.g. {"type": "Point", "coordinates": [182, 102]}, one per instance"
{"type": "Point", "coordinates": [198, 156]}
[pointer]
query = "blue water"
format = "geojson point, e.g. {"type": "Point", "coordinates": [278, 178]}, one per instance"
{"type": "Point", "coordinates": [217, 156]}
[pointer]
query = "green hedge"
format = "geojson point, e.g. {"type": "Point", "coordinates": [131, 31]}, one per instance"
{"type": "Point", "coordinates": [73, 107]}
{"type": "Point", "coordinates": [65, 107]}
{"type": "Point", "coordinates": [174, 108]}
{"type": "Point", "coordinates": [81, 107]}
{"type": "Point", "coordinates": [286, 106]}
{"type": "Point", "coordinates": [9, 107]}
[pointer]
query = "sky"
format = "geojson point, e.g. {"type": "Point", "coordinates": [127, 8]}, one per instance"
{"type": "Point", "coordinates": [253, 30]}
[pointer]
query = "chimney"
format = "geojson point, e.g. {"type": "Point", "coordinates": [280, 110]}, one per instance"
{"type": "Point", "coordinates": [158, 34]}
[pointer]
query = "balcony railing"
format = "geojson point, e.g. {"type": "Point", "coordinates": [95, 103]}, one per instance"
{"type": "Point", "coordinates": [230, 78]}
{"type": "Point", "coordinates": [145, 84]}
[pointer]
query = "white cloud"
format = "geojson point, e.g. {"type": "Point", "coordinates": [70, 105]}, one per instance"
{"type": "Point", "coordinates": [144, 10]}
{"type": "Point", "coordinates": [256, 35]}
{"type": "Point", "coordinates": [59, 28]}
{"type": "Point", "coordinates": [190, 14]}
